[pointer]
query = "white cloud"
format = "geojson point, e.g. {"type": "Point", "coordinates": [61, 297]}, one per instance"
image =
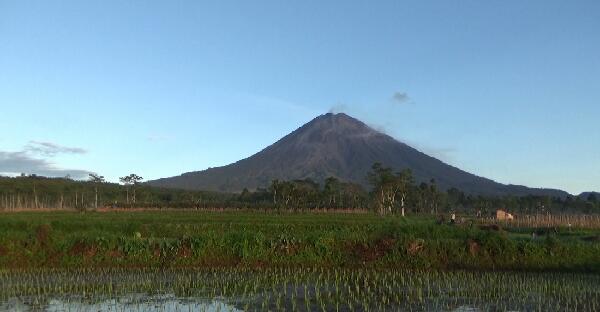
{"type": "Point", "coordinates": [50, 149]}
{"type": "Point", "coordinates": [33, 160]}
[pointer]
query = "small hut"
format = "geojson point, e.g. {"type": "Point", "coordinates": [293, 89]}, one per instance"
{"type": "Point", "coordinates": [503, 215]}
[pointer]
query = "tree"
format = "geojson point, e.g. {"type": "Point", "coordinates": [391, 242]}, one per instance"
{"type": "Point", "coordinates": [96, 179]}
{"type": "Point", "coordinates": [274, 188]}
{"type": "Point", "coordinates": [285, 191]}
{"type": "Point", "coordinates": [126, 180]}
{"type": "Point", "coordinates": [305, 193]}
{"type": "Point", "coordinates": [332, 192]}
{"type": "Point", "coordinates": [387, 185]}
{"type": "Point", "coordinates": [245, 194]}
{"type": "Point", "coordinates": [135, 180]}
{"type": "Point", "coordinates": [405, 180]}
{"type": "Point", "coordinates": [131, 180]}
{"type": "Point", "coordinates": [433, 192]}
{"type": "Point", "coordinates": [382, 180]}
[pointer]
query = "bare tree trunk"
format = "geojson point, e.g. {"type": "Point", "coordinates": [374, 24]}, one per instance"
{"type": "Point", "coordinates": [402, 203]}
{"type": "Point", "coordinates": [35, 198]}
{"type": "Point", "coordinates": [382, 203]}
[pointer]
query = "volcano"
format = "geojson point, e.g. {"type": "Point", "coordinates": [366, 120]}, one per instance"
{"type": "Point", "coordinates": [340, 146]}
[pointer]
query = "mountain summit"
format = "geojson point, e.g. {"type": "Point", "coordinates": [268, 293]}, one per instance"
{"type": "Point", "coordinates": [343, 147]}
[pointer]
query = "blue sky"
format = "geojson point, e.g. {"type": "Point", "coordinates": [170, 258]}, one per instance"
{"type": "Point", "coordinates": [508, 90]}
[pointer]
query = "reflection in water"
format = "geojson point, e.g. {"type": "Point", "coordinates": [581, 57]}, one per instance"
{"type": "Point", "coordinates": [137, 302]}
{"type": "Point", "coordinates": [134, 302]}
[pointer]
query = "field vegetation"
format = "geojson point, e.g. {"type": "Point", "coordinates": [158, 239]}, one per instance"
{"type": "Point", "coordinates": [551, 221]}
{"type": "Point", "coordinates": [297, 289]}
{"type": "Point", "coordinates": [255, 239]}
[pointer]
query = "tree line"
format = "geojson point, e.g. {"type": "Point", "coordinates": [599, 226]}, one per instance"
{"type": "Point", "coordinates": [33, 192]}
{"type": "Point", "coordinates": [389, 192]}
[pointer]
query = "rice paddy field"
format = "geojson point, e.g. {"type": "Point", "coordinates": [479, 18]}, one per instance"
{"type": "Point", "coordinates": [251, 261]}
{"type": "Point", "coordinates": [296, 289]}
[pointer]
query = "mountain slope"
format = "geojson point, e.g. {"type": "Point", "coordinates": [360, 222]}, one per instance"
{"type": "Point", "coordinates": [340, 146]}
{"type": "Point", "coordinates": [586, 195]}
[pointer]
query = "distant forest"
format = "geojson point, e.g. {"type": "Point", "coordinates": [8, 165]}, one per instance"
{"type": "Point", "coordinates": [390, 193]}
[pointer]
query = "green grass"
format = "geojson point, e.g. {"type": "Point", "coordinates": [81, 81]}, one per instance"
{"type": "Point", "coordinates": [216, 239]}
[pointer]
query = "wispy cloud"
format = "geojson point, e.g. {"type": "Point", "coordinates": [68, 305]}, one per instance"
{"type": "Point", "coordinates": [33, 159]}
{"type": "Point", "coordinates": [446, 154]}
{"type": "Point", "coordinates": [443, 153]}
{"type": "Point", "coordinates": [400, 97]}
{"type": "Point", "coordinates": [338, 108]}
{"type": "Point", "coordinates": [15, 163]}
{"type": "Point", "coordinates": [50, 149]}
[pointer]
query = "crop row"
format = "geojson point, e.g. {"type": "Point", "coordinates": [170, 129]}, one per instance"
{"type": "Point", "coordinates": [312, 289]}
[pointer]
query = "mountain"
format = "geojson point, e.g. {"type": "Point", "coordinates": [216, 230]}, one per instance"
{"type": "Point", "coordinates": [340, 146]}
{"type": "Point", "coordinates": [586, 195]}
